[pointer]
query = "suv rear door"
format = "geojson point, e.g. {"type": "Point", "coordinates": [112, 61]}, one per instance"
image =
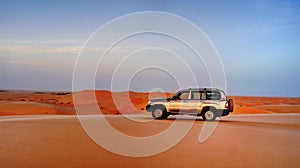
{"type": "Point", "coordinates": [196, 100]}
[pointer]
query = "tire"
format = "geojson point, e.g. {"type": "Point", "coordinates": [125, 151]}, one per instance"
{"type": "Point", "coordinates": [209, 115]}
{"type": "Point", "coordinates": [159, 113]}
{"type": "Point", "coordinates": [166, 115]}
{"type": "Point", "coordinates": [231, 105]}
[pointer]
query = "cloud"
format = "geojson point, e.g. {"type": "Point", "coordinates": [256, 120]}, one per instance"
{"type": "Point", "coordinates": [31, 63]}
{"type": "Point", "coordinates": [53, 47]}
{"type": "Point", "coordinates": [40, 47]}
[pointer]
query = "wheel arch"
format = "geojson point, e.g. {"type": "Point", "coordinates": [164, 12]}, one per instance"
{"type": "Point", "coordinates": [161, 106]}
{"type": "Point", "coordinates": [206, 108]}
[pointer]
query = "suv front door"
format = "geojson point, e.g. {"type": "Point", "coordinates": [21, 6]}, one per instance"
{"type": "Point", "coordinates": [179, 102]}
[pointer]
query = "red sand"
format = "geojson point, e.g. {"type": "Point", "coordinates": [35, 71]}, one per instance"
{"type": "Point", "coordinates": [25, 103]}
{"type": "Point", "coordinates": [241, 141]}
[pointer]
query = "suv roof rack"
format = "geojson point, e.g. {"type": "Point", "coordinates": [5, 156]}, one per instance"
{"type": "Point", "coordinates": [203, 88]}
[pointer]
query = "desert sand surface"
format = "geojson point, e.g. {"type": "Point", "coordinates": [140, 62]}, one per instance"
{"type": "Point", "coordinates": [43, 103]}
{"type": "Point", "coordinates": [41, 129]}
{"type": "Point", "coordinates": [251, 140]}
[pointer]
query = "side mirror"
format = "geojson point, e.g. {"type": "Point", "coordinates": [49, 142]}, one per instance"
{"type": "Point", "coordinates": [173, 98]}
{"type": "Point", "coordinates": [170, 98]}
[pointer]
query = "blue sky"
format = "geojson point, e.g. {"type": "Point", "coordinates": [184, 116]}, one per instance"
{"type": "Point", "coordinates": [258, 41]}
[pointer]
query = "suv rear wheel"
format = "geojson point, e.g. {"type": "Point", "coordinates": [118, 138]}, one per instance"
{"type": "Point", "coordinates": [209, 115]}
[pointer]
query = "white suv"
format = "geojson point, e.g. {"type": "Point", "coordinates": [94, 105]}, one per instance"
{"type": "Point", "coordinates": [206, 102]}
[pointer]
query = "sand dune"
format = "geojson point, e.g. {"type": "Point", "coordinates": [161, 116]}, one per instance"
{"type": "Point", "coordinates": [30, 102]}
{"type": "Point", "coordinates": [31, 108]}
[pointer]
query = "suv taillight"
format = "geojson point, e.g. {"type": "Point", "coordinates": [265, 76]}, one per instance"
{"type": "Point", "coordinates": [227, 105]}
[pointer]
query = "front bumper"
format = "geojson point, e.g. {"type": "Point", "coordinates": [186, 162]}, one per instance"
{"type": "Point", "coordinates": [148, 107]}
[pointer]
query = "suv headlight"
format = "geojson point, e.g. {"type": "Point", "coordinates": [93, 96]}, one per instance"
{"type": "Point", "coordinates": [149, 102]}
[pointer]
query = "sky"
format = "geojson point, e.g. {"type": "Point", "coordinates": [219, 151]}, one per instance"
{"type": "Point", "coordinates": [258, 43]}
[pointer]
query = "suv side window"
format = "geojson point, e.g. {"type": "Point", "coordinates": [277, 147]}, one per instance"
{"type": "Point", "coordinates": [184, 95]}
{"type": "Point", "coordinates": [198, 95]}
{"type": "Point", "coordinates": [213, 95]}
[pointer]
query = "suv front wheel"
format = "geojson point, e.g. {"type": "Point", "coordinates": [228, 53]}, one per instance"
{"type": "Point", "coordinates": [159, 113]}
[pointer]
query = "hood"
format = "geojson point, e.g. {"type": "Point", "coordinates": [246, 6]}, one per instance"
{"type": "Point", "coordinates": [159, 100]}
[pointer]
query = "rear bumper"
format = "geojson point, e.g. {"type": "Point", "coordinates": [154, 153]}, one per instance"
{"type": "Point", "coordinates": [224, 112]}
